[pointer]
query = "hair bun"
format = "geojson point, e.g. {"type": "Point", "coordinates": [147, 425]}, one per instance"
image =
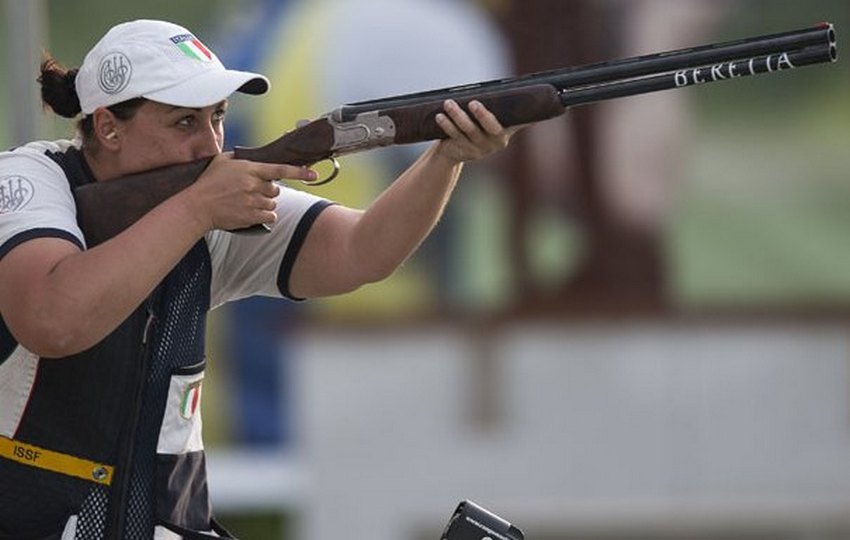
{"type": "Point", "coordinates": [58, 89]}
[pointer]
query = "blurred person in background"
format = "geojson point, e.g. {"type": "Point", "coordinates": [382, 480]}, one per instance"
{"type": "Point", "coordinates": [590, 221]}
{"type": "Point", "coordinates": [643, 167]}
{"type": "Point", "coordinates": [102, 349]}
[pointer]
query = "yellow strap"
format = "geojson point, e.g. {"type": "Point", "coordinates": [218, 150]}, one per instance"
{"type": "Point", "coordinates": [55, 461]}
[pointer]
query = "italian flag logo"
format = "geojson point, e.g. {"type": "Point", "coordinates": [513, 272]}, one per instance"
{"type": "Point", "coordinates": [192, 47]}
{"type": "Point", "coordinates": [191, 400]}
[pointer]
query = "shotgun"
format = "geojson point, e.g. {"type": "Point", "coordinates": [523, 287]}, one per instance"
{"type": "Point", "coordinates": [104, 209]}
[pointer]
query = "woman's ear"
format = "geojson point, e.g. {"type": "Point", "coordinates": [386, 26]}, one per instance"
{"type": "Point", "coordinates": [106, 129]}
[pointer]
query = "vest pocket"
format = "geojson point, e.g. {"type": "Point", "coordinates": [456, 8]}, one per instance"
{"type": "Point", "coordinates": [181, 424]}
{"type": "Point", "coordinates": [182, 497]}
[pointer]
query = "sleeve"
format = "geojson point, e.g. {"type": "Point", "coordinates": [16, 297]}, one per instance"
{"type": "Point", "coordinates": [248, 265]}
{"type": "Point", "coordinates": [35, 201]}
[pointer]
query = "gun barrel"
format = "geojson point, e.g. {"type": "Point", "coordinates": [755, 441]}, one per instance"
{"type": "Point", "coordinates": [700, 75]}
{"type": "Point", "coordinates": [618, 70]}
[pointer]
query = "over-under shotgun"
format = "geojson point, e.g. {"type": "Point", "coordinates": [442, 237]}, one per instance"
{"type": "Point", "coordinates": [104, 209]}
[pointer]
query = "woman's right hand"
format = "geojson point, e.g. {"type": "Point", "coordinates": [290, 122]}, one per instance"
{"type": "Point", "coordinates": [234, 193]}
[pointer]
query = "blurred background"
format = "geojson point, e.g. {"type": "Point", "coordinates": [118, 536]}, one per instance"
{"type": "Point", "coordinates": [632, 324]}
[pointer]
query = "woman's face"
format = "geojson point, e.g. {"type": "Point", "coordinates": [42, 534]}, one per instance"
{"type": "Point", "coordinates": [159, 135]}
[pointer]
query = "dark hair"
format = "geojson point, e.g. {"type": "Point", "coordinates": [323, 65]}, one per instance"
{"type": "Point", "coordinates": [60, 95]}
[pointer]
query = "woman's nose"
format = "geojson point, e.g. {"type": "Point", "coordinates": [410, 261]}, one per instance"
{"type": "Point", "coordinates": [209, 142]}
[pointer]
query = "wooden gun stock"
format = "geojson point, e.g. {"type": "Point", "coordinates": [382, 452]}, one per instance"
{"type": "Point", "coordinates": [104, 209]}
{"type": "Point", "coordinates": [535, 103]}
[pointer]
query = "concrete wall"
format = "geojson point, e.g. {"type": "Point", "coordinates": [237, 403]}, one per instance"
{"type": "Point", "coordinates": [606, 429]}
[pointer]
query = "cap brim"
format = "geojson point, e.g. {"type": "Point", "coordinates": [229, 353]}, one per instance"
{"type": "Point", "coordinates": [211, 88]}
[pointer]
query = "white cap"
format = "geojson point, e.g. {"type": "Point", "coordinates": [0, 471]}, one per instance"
{"type": "Point", "coordinates": [159, 61]}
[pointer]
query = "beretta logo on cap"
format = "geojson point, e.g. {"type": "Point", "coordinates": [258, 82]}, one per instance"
{"type": "Point", "coordinates": [192, 47]}
{"type": "Point", "coordinates": [114, 72]}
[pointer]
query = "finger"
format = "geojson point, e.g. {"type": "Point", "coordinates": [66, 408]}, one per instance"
{"type": "Point", "coordinates": [273, 171]}
{"type": "Point", "coordinates": [264, 216]}
{"type": "Point", "coordinates": [293, 172]}
{"type": "Point", "coordinates": [448, 126]}
{"type": "Point", "coordinates": [269, 189]}
{"type": "Point", "coordinates": [462, 120]}
{"type": "Point", "coordinates": [265, 203]}
{"type": "Point", "coordinates": [486, 119]}
{"type": "Point", "coordinates": [256, 181]}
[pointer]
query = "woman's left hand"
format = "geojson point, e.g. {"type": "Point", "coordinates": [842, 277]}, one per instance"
{"type": "Point", "coordinates": [471, 138]}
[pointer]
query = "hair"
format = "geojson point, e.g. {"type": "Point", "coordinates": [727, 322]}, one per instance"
{"type": "Point", "coordinates": [59, 93]}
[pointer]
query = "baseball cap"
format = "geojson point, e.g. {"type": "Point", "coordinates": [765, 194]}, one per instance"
{"type": "Point", "coordinates": [160, 61]}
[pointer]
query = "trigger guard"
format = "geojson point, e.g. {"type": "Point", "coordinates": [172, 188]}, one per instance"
{"type": "Point", "coordinates": [322, 181]}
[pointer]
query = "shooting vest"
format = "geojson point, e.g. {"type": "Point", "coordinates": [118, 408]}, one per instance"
{"type": "Point", "coordinates": [109, 444]}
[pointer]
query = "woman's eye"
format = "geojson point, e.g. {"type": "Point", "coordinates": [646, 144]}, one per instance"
{"type": "Point", "coordinates": [219, 115]}
{"type": "Point", "coordinates": [186, 121]}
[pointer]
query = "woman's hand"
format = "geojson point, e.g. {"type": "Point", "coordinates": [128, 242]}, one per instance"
{"type": "Point", "coordinates": [471, 138]}
{"type": "Point", "coordinates": [234, 193]}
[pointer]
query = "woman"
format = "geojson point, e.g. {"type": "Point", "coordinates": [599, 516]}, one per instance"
{"type": "Point", "coordinates": [101, 349]}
